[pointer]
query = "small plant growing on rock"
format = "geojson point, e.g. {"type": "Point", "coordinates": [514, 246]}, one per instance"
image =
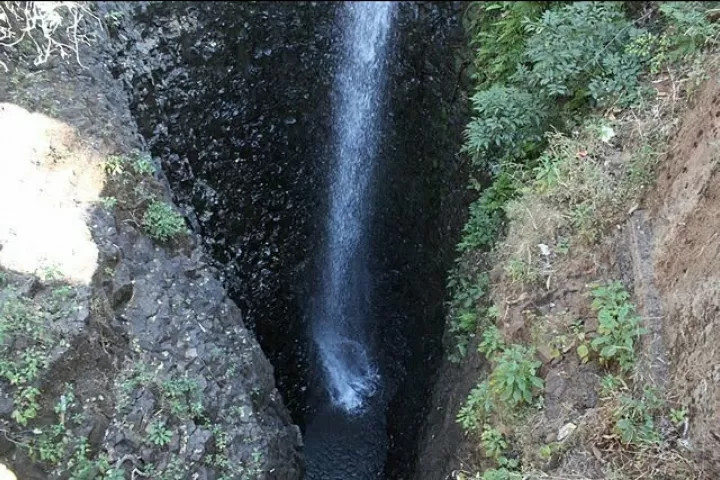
{"type": "Point", "coordinates": [115, 165]}
{"type": "Point", "coordinates": [515, 377]}
{"type": "Point", "coordinates": [162, 222]}
{"type": "Point", "coordinates": [143, 165]}
{"type": "Point", "coordinates": [159, 434]}
{"type": "Point", "coordinates": [108, 203]}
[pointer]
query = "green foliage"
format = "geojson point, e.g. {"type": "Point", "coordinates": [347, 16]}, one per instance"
{"type": "Point", "coordinates": [508, 124]}
{"type": "Point", "coordinates": [618, 325]}
{"type": "Point", "coordinates": [688, 30]}
{"type": "Point", "coordinates": [498, 37]}
{"type": "Point", "coordinates": [478, 406]}
{"type": "Point", "coordinates": [115, 165]}
{"type": "Point", "coordinates": [159, 434]}
{"type": "Point", "coordinates": [162, 222]}
{"type": "Point", "coordinates": [610, 384]}
{"type": "Point", "coordinates": [493, 442]}
{"type": "Point", "coordinates": [464, 306]}
{"type": "Point", "coordinates": [492, 342]}
{"type": "Point", "coordinates": [678, 416]}
{"type": "Point", "coordinates": [578, 51]}
{"type": "Point", "coordinates": [108, 202]}
{"type": "Point", "coordinates": [143, 165]}
{"type": "Point", "coordinates": [514, 380]}
{"type": "Point", "coordinates": [83, 467]}
{"type": "Point", "coordinates": [500, 474]}
{"type": "Point", "coordinates": [180, 395]}
{"type": "Point", "coordinates": [184, 397]}
{"type": "Point", "coordinates": [28, 319]}
{"type": "Point", "coordinates": [634, 419]}
{"type": "Point", "coordinates": [487, 214]}
{"type": "Point", "coordinates": [520, 271]}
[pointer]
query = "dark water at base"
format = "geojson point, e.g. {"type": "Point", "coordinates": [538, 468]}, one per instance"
{"type": "Point", "coordinates": [236, 99]}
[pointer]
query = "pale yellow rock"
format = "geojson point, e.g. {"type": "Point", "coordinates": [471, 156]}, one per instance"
{"type": "Point", "coordinates": [6, 473]}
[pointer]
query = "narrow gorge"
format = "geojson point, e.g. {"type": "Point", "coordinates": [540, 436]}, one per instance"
{"type": "Point", "coordinates": [312, 145]}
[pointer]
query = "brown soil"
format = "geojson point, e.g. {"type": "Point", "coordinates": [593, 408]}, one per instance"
{"type": "Point", "coordinates": [685, 211]}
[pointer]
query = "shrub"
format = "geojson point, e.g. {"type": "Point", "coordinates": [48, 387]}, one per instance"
{"type": "Point", "coordinates": [508, 124]}
{"type": "Point", "coordinates": [498, 37]}
{"type": "Point", "coordinates": [162, 222]}
{"type": "Point", "coordinates": [515, 379]}
{"type": "Point", "coordinates": [688, 29]}
{"type": "Point", "coordinates": [618, 325]}
{"type": "Point", "coordinates": [578, 51]}
{"type": "Point", "coordinates": [634, 420]}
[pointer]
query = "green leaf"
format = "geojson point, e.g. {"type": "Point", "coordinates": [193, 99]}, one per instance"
{"type": "Point", "coordinates": [583, 352]}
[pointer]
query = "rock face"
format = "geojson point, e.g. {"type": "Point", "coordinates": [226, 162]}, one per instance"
{"type": "Point", "coordinates": [192, 342]}
{"type": "Point", "coordinates": [146, 366]}
{"type": "Point", "coordinates": [236, 99]}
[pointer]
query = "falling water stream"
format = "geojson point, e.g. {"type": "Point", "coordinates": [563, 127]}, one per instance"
{"type": "Point", "coordinates": [340, 326]}
{"type": "Point", "coordinates": [346, 436]}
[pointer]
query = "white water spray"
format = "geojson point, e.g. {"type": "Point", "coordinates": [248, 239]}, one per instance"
{"type": "Point", "coordinates": [339, 325]}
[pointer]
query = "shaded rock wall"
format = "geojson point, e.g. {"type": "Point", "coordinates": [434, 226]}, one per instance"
{"type": "Point", "coordinates": [235, 100]}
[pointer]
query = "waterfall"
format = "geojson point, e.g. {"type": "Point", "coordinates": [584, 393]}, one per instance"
{"type": "Point", "coordinates": [340, 323]}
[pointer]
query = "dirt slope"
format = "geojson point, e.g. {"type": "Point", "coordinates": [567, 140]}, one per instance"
{"type": "Point", "coordinates": [685, 214]}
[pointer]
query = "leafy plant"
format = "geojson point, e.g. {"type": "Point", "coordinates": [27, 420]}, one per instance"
{"type": "Point", "coordinates": [577, 51]}
{"type": "Point", "coordinates": [492, 342]}
{"type": "Point", "coordinates": [514, 379]}
{"type": "Point", "coordinates": [618, 325]}
{"type": "Point", "coordinates": [466, 294]}
{"type": "Point", "coordinates": [634, 420]}
{"type": "Point", "coordinates": [184, 396]}
{"type": "Point", "coordinates": [500, 474]}
{"type": "Point", "coordinates": [115, 165]}
{"type": "Point", "coordinates": [678, 416]}
{"type": "Point", "coordinates": [493, 442]}
{"type": "Point", "coordinates": [688, 30]}
{"type": "Point", "coordinates": [507, 124]}
{"type": "Point", "coordinates": [108, 202]}
{"type": "Point", "coordinates": [143, 164]}
{"type": "Point", "coordinates": [477, 407]}
{"type": "Point", "coordinates": [162, 222]}
{"type": "Point", "coordinates": [610, 384]}
{"type": "Point", "coordinates": [487, 214]}
{"type": "Point", "coordinates": [498, 36]}
{"type": "Point", "coordinates": [521, 272]}
{"type": "Point", "coordinates": [159, 434]}
{"type": "Point", "coordinates": [82, 467]}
